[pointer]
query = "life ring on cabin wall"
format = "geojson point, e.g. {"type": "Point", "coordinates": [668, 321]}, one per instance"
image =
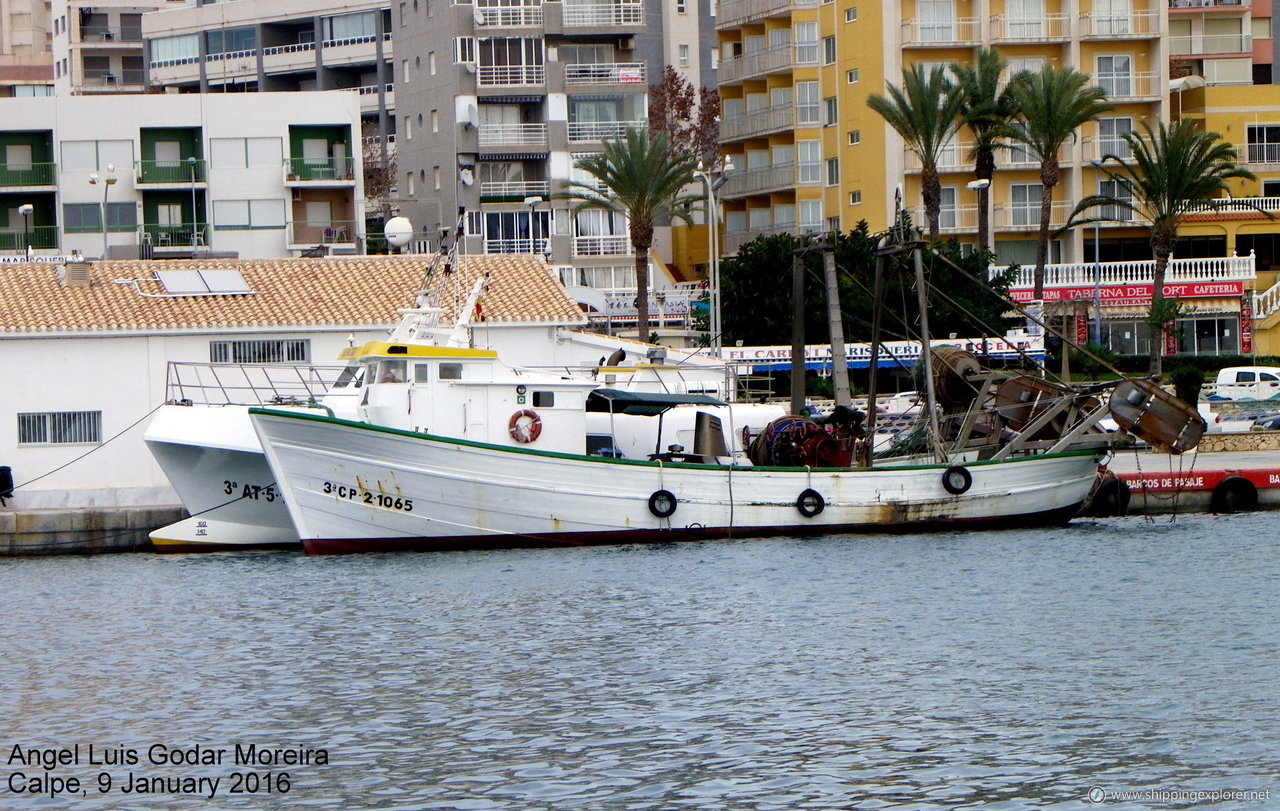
{"type": "Point", "coordinates": [525, 426]}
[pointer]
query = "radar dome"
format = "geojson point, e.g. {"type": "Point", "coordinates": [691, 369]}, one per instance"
{"type": "Point", "coordinates": [398, 231]}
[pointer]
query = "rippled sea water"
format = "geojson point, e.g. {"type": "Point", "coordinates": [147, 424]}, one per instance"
{"type": "Point", "coordinates": [998, 669]}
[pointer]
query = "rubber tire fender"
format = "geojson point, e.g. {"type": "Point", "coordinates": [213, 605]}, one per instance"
{"type": "Point", "coordinates": [662, 503]}
{"type": "Point", "coordinates": [1111, 499]}
{"type": "Point", "coordinates": [1234, 494]}
{"type": "Point", "coordinates": [810, 502]}
{"type": "Point", "coordinates": [952, 485]}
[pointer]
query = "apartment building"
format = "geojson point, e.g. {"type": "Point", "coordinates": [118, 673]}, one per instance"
{"type": "Point", "coordinates": [97, 47]}
{"type": "Point", "coordinates": [180, 175]}
{"type": "Point", "coordinates": [26, 33]}
{"type": "Point", "coordinates": [498, 99]}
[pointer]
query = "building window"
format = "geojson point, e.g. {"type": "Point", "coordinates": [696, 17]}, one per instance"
{"type": "Point", "coordinates": [60, 428]}
{"type": "Point", "coordinates": [1024, 203]}
{"type": "Point", "coordinates": [947, 208]}
{"type": "Point", "coordinates": [293, 350]}
{"type": "Point", "coordinates": [1115, 75]}
{"type": "Point", "coordinates": [851, 76]}
{"type": "Point", "coordinates": [81, 218]}
{"type": "Point", "coordinates": [855, 137]}
{"type": "Point", "coordinates": [833, 171]}
{"type": "Point", "coordinates": [808, 108]}
{"type": "Point", "coordinates": [684, 56]}
{"type": "Point", "coordinates": [810, 216]}
{"type": "Point", "coordinates": [833, 114]}
{"type": "Point", "coordinates": [828, 50]}
{"type": "Point", "coordinates": [122, 217]}
{"type": "Point", "coordinates": [435, 120]}
{"type": "Point", "coordinates": [1111, 132]}
{"type": "Point", "coordinates": [1263, 143]}
{"type": "Point", "coordinates": [833, 225]}
{"type": "Point", "coordinates": [806, 39]}
{"type": "Point", "coordinates": [431, 62]}
{"type": "Point", "coordinates": [435, 177]}
{"type": "Point", "coordinates": [855, 198]}
{"type": "Point", "coordinates": [809, 165]}
{"type": "Point", "coordinates": [404, 70]}
{"type": "Point", "coordinates": [851, 15]}
{"type": "Point", "coordinates": [1120, 191]}
{"type": "Point", "coordinates": [464, 50]}
{"type": "Point", "coordinates": [248, 215]}
{"type": "Point", "coordinates": [681, 7]}
{"type": "Point", "coordinates": [408, 128]}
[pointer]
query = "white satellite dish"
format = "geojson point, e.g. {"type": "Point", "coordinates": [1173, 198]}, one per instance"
{"type": "Point", "coordinates": [398, 232]}
{"type": "Point", "coordinates": [473, 117]}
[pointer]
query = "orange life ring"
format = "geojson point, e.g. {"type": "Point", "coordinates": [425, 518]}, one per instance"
{"type": "Point", "coordinates": [525, 425]}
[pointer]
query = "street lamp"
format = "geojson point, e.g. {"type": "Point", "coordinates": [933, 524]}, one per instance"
{"type": "Point", "coordinates": [191, 164]}
{"type": "Point", "coordinates": [532, 203]}
{"type": "Point", "coordinates": [714, 178]}
{"type": "Point", "coordinates": [106, 182]}
{"type": "Point", "coordinates": [25, 210]}
{"type": "Point", "coordinates": [1097, 278]}
{"type": "Point", "coordinates": [979, 187]}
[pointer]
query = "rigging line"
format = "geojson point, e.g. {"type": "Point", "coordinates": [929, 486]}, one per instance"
{"type": "Point", "coordinates": [91, 450]}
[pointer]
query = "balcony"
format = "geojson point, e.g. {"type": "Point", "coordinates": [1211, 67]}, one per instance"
{"type": "Point", "coordinates": [511, 75]}
{"type": "Point", "coordinates": [733, 240]}
{"type": "Point", "coordinates": [1260, 157]}
{"type": "Point", "coordinates": [1207, 45]}
{"type": "Point", "coordinates": [759, 181]}
{"type": "Point", "coordinates": [496, 16]}
{"type": "Point", "coordinates": [537, 245]}
{"type": "Point", "coordinates": [1095, 149]}
{"type": "Point", "coordinates": [733, 13]}
{"type": "Point", "coordinates": [602, 130]}
{"type": "Point", "coordinates": [1129, 86]}
{"type": "Point", "coordinates": [1180, 271]}
{"type": "Point", "coordinates": [603, 15]}
{"type": "Point", "coordinates": [519, 136]}
{"type": "Point", "coordinates": [769, 60]}
{"type": "Point", "coordinates": [303, 233]}
{"type": "Point", "coordinates": [285, 58]}
{"type": "Point", "coordinates": [962, 31]}
{"type": "Point", "coordinates": [604, 73]}
{"type": "Point", "coordinates": [608, 245]}
{"type": "Point", "coordinates": [759, 122]}
{"type": "Point", "coordinates": [182, 237]}
{"type": "Point", "coordinates": [1120, 25]}
{"type": "Point", "coordinates": [41, 237]}
{"type": "Point", "coordinates": [1030, 29]}
{"type": "Point", "coordinates": [951, 219]}
{"type": "Point", "coordinates": [105, 34]}
{"type": "Point", "coordinates": [513, 191]}
{"type": "Point", "coordinates": [171, 173]}
{"type": "Point", "coordinates": [1238, 204]}
{"type": "Point", "coordinates": [1026, 218]}
{"type": "Point", "coordinates": [1175, 5]}
{"type": "Point", "coordinates": [319, 171]}
{"type": "Point", "coordinates": [16, 176]}
{"type": "Point", "coordinates": [951, 158]}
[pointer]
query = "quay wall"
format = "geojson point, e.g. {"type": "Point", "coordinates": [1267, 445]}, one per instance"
{"type": "Point", "coordinates": [82, 531]}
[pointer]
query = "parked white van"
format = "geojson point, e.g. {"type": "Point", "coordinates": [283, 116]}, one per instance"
{"type": "Point", "coordinates": [1246, 383]}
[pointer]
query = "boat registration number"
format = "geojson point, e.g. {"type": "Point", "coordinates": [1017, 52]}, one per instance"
{"type": "Point", "coordinates": [368, 497]}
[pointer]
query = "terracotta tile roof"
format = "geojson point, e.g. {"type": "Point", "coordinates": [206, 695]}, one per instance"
{"type": "Point", "coordinates": [334, 291]}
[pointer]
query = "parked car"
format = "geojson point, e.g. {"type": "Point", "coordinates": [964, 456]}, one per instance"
{"type": "Point", "coordinates": [1267, 422]}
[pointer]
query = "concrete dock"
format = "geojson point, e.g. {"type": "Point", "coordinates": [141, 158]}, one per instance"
{"type": "Point", "coordinates": [1227, 473]}
{"type": "Point", "coordinates": [82, 531]}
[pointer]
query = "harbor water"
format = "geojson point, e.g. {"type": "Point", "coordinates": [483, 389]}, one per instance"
{"type": "Point", "coordinates": [1124, 663]}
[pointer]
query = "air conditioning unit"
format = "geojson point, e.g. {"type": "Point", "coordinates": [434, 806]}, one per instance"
{"type": "Point", "coordinates": [297, 194]}
{"type": "Point", "coordinates": [626, 43]}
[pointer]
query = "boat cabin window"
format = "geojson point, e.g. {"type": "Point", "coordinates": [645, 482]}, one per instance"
{"type": "Point", "coordinates": [347, 377]}
{"type": "Point", "coordinates": [451, 371]}
{"type": "Point", "coordinates": [422, 373]}
{"type": "Point", "coordinates": [544, 399]}
{"type": "Point", "coordinates": [391, 371]}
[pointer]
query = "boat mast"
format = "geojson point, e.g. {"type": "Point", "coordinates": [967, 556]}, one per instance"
{"type": "Point", "coordinates": [926, 356]}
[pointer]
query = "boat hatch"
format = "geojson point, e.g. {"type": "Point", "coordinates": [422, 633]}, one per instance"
{"type": "Point", "coordinates": [645, 404]}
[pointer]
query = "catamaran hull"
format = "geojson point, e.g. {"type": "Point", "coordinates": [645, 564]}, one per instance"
{"type": "Point", "coordinates": [352, 487]}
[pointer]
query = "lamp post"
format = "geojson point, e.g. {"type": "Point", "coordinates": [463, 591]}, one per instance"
{"type": "Point", "coordinates": [532, 203]}
{"type": "Point", "coordinates": [1097, 279]}
{"type": "Point", "coordinates": [979, 187]}
{"type": "Point", "coordinates": [714, 178]}
{"type": "Point", "coordinates": [191, 165]}
{"type": "Point", "coordinates": [106, 181]}
{"type": "Point", "coordinates": [25, 210]}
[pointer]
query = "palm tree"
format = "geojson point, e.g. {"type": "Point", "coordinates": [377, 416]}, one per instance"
{"type": "Point", "coordinates": [925, 113]}
{"type": "Point", "coordinates": [642, 177]}
{"type": "Point", "coordinates": [1052, 105]}
{"type": "Point", "coordinates": [986, 109]}
{"type": "Point", "coordinates": [1174, 171]}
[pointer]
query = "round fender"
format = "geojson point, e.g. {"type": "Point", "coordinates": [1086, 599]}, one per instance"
{"type": "Point", "coordinates": [810, 503]}
{"type": "Point", "coordinates": [662, 503]}
{"type": "Point", "coordinates": [956, 480]}
{"type": "Point", "coordinates": [1111, 498]}
{"type": "Point", "coordinates": [525, 425]}
{"type": "Point", "coordinates": [1234, 494]}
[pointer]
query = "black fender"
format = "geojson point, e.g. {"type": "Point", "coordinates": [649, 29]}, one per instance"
{"type": "Point", "coordinates": [1234, 494]}
{"type": "Point", "coordinates": [957, 480]}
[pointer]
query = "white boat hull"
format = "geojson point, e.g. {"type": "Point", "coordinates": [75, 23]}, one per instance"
{"type": "Point", "coordinates": [354, 487]}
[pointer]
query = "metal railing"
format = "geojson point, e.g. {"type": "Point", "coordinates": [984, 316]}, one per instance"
{"type": "Point", "coordinates": [522, 135]}
{"type": "Point", "coordinates": [247, 384]}
{"type": "Point", "coordinates": [736, 12]}
{"type": "Point", "coordinates": [30, 174]}
{"type": "Point", "coordinates": [515, 190]}
{"type": "Point", "coordinates": [1237, 204]}
{"type": "Point", "coordinates": [1120, 24]}
{"type": "Point", "coordinates": [320, 168]}
{"type": "Point", "coordinates": [1211, 44]}
{"type": "Point", "coordinates": [941, 33]}
{"type": "Point", "coordinates": [322, 232]}
{"type": "Point", "coordinates": [1011, 217]}
{"type": "Point", "coordinates": [39, 237]}
{"type": "Point", "coordinates": [496, 15]}
{"type": "Point", "coordinates": [1121, 86]}
{"type": "Point", "coordinates": [624, 12]}
{"type": "Point", "coordinates": [605, 73]}
{"type": "Point", "coordinates": [759, 122]}
{"type": "Point", "coordinates": [1081, 274]}
{"type": "Point", "coordinates": [766, 61]}
{"type": "Point", "coordinates": [171, 172]}
{"type": "Point", "coordinates": [297, 47]}
{"type": "Point", "coordinates": [611, 245]}
{"type": "Point", "coordinates": [510, 75]}
{"type": "Point", "coordinates": [1206, 3]}
{"type": "Point", "coordinates": [951, 219]}
{"type": "Point", "coordinates": [1048, 26]}
{"type": "Point", "coordinates": [603, 130]}
{"type": "Point", "coordinates": [515, 245]}
{"type": "Point", "coordinates": [754, 181]}
{"type": "Point", "coordinates": [174, 235]}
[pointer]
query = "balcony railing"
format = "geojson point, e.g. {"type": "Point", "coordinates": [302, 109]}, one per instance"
{"type": "Point", "coordinates": [1030, 29]}
{"type": "Point", "coordinates": [605, 73]}
{"type": "Point", "coordinates": [30, 174]}
{"type": "Point", "coordinates": [766, 61]}
{"type": "Point", "coordinates": [39, 236]}
{"type": "Point", "coordinates": [296, 47]}
{"type": "Point", "coordinates": [511, 75]}
{"type": "Point", "coordinates": [1020, 217]}
{"type": "Point", "coordinates": [1095, 149]}
{"type": "Point", "coordinates": [603, 130]}
{"type": "Point", "coordinates": [171, 172]}
{"type": "Point", "coordinates": [1216, 44]}
{"type": "Point", "coordinates": [509, 16]}
{"type": "Point", "coordinates": [755, 181]}
{"type": "Point", "coordinates": [611, 245]}
{"type": "Point", "coordinates": [311, 169]}
{"type": "Point", "coordinates": [1259, 155]}
{"type": "Point", "coordinates": [537, 245]}
{"type": "Point", "coordinates": [953, 157]}
{"type": "Point", "coordinates": [627, 12]}
{"type": "Point", "coordinates": [175, 235]}
{"type": "Point", "coordinates": [1237, 204]}
{"type": "Point", "coordinates": [100, 33]}
{"type": "Point", "coordinates": [951, 219]}
{"type": "Point", "coordinates": [1122, 25]}
{"type": "Point", "coordinates": [492, 190]}
{"type": "Point", "coordinates": [940, 34]}
{"type": "Point", "coordinates": [516, 135]}
{"type": "Point", "coordinates": [1128, 86]}
{"type": "Point", "coordinates": [1082, 274]}
{"type": "Point", "coordinates": [1175, 4]}
{"type": "Point", "coordinates": [759, 122]}
{"type": "Point", "coordinates": [322, 232]}
{"type": "Point", "coordinates": [735, 12]}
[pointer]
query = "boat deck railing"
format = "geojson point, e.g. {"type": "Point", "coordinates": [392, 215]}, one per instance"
{"type": "Point", "coordinates": [191, 383]}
